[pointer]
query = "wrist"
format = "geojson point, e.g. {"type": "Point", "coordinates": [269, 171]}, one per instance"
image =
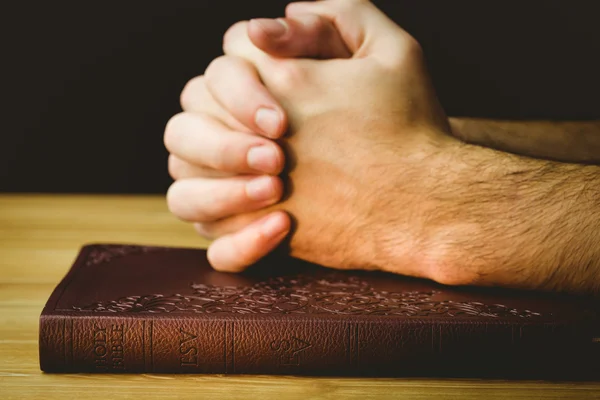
{"type": "Point", "coordinates": [468, 215]}
{"type": "Point", "coordinates": [519, 222]}
{"type": "Point", "coordinates": [421, 203]}
{"type": "Point", "coordinates": [497, 213]}
{"type": "Point", "coordinates": [467, 219]}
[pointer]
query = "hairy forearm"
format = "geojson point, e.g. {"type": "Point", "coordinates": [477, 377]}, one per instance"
{"type": "Point", "coordinates": [569, 141]}
{"type": "Point", "coordinates": [534, 223]}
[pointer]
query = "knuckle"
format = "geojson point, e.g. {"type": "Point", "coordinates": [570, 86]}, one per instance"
{"type": "Point", "coordinates": [348, 4]}
{"type": "Point", "coordinates": [408, 52]}
{"type": "Point", "coordinates": [291, 8]}
{"type": "Point", "coordinates": [190, 90]}
{"type": "Point", "coordinates": [172, 129]}
{"type": "Point", "coordinates": [224, 156]}
{"type": "Point", "coordinates": [340, 4]}
{"type": "Point", "coordinates": [412, 48]}
{"type": "Point", "coordinates": [233, 34]}
{"type": "Point", "coordinates": [344, 8]}
{"type": "Point", "coordinates": [287, 75]}
{"type": "Point", "coordinates": [214, 68]}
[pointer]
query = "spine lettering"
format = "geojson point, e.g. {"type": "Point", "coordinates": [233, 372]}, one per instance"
{"type": "Point", "coordinates": [294, 346]}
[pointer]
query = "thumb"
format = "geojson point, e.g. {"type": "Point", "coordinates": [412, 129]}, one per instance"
{"type": "Point", "coordinates": [306, 35]}
{"type": "Point", "coordinates": [365, 30]}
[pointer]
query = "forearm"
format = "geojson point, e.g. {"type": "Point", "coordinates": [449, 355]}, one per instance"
{"type": "Point", "coordinates": [569, 141]}
{"type": "Point", "coordinates": [537, 222]}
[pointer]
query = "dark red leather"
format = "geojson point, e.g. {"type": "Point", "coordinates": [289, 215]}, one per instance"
{"type": "Point", "coordinates": [149, 309]}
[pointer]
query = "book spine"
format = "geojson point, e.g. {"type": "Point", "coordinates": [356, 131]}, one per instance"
{"type": "Point", "coordinates": [210, 344]}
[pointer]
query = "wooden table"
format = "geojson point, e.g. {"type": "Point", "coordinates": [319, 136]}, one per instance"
{"type": "Point", "coordinates": [39, 238]}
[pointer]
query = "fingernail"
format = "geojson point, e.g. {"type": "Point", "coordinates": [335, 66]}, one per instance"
{"type": "Point", "coordinates": [274, 227]}
{"type": "Point", "coordinates": [268, 121]}
{"type": "Point", "coordinates": [275, 28]}
{"type": "Point", "coordinates": [260, 189]}
{"type": "Point", "coordinates": [263, 158]}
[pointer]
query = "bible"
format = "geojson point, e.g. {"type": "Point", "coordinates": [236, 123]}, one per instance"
{"type": "Point", "coordinates": [139, 309]}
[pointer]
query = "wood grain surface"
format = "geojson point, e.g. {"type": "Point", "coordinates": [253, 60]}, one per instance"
{"type": "Point", "coordinates": [39, 238]}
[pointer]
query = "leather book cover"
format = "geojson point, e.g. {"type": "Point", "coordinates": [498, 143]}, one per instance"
{"type": "Point", "coordinates": [126, 308]}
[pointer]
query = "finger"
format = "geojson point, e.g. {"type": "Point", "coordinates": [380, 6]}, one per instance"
{"type": "Point", "coordinates": [215, 229]}
{"type": "Point", "coordinates": [205, 199]}
{"type": "Point", "coordinates": [308, 35]}
{"type": "Point", "coordinates": [201, 140]}
{"type": "Point", "coordinates": [237, 43]}
{"type": "Point", "coordinates": [196, 98]}
{"type": "Point", "coordinates": [179, 169]}
{"type": "Point", "coordinates": [363, 27]}
{"type": "Point", "coordinates": [237, 251]}
{"type": "Point", "coordinates": [235, 84]}
{"type": "Point", "coordinates": [279, 75]}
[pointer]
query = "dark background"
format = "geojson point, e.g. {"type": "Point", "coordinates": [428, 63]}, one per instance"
{"type": "Point", "coordinates": [88, 86]}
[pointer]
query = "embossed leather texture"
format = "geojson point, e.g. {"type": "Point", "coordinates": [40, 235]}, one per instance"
{"type": "Point", "coordinates": [125, 308]}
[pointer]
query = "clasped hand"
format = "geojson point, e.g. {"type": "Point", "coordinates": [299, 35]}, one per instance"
{"type": "Point", "coordinates": [339, 95]}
